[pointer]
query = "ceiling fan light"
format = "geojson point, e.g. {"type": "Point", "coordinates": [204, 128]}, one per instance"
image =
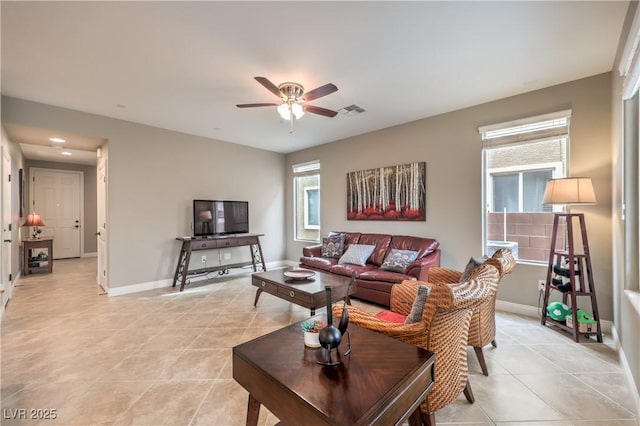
{"type": "Point", "coordinates": [284, 112]}
{"type": "Point", "coordinates": [297, 109]}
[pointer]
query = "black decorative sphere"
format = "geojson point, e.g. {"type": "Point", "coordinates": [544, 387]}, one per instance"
{"type": "Point", "coordinates": [330, 337]}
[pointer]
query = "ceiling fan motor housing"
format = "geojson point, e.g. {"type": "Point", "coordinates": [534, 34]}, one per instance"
{"type": "Point", "coordinates": [291, 91]}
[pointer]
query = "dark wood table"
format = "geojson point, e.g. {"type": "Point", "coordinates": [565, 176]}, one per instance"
{"type": "Point", "coordinates": [381, 382]}
{"type": "Point", "coordinates": [308, 293]}
{"type": "Point", "coordinates": [217, 242]}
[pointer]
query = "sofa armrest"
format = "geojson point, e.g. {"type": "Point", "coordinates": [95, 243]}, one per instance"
{"type": "Point", "coordinates": [420, 268]}
{"type": "Point", "coordinates": [312, 251]}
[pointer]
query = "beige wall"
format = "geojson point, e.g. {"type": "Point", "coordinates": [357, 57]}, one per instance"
{"type": "Point", "coordinates": [451, 146]}
{"type": "Point", "coordinates": [153, 176]}
{"type": "Point", "coordinates": [89, 227]}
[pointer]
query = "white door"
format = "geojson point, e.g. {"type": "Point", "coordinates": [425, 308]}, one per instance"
{"type": "Point", "coordinates": [5, 281]}
{"type": "Point", "coordinates": [56, 196]}
{"type": "Point", "coordinates": [102, 224]}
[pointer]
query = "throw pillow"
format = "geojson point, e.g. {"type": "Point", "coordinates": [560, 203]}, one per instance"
{"type": "Point", "coordinates": [474, 262]}
{"type": "Point", "coordinates": [390, 316]}
{"type": "Point", "coordinates": [398, 260]}
{"type": "Point", "coordinates": [418, 305]}
{"type": "Point", "coordinates": [332, 246]}
{"type": "Point", "coordinates": [357, 254]}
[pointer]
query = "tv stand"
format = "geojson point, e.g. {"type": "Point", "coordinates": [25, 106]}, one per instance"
{"type": "Point", "coordinates": [191, 244]}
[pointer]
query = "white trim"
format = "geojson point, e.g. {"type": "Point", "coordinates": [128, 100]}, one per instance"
{"type": "Point", "coordinates": [627, 371]}
{"type": "Point", "coordinates": [629, 67]}
{"type": "Point", "coordinates": [307, 166]}
{"type": "Point", "coordinates": [532, 311]}
{"type": "Point", "coordinates": [152, 285]}
{"type": "Point", "coordinates": [633, 297]}
{"type": "Point", "coordinates": [523, 121]}
{"type": "Point", "coordinates": [91, 254]}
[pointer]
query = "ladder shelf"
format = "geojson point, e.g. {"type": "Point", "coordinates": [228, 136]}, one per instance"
{"type": "Point", "coordinates": [576, 269]}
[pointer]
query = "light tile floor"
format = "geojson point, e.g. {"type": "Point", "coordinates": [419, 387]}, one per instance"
{"type": "Point", "coordinates": [164, 358]}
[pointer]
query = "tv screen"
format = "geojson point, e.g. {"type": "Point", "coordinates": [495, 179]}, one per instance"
{"type": "Point", "coordinates": [231, 217]}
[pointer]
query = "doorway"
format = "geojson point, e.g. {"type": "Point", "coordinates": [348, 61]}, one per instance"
{"type": "Point", "coordinates": [58, 196]}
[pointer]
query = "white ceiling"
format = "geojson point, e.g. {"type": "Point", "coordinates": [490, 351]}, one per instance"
{"type": "Point", "coordinates": [185, 65]}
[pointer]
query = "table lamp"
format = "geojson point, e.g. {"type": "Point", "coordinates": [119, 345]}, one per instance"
{"type": "Point", "coordinates": [570, 190]}
{"type": "Point", "coordinates": [34, 220]}
{"type": "Point", "coordinates": [206, 216]}
{"type": "Point", "coordinates": [564, 191]}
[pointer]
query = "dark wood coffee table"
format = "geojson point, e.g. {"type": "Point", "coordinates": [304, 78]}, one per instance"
{"type": "Point", "coordinates": [308, 293]}
{"type": "Point", "coordinates": [382, 382]}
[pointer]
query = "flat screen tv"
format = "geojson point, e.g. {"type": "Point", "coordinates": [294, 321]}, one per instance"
{"type": "Point", "coordinates": [220, 217]}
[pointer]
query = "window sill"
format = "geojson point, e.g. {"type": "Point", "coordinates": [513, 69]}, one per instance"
{"type": "Point", "coordinates": [634, 298]}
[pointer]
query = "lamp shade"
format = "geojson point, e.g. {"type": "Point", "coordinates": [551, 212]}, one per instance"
{"type": "Point", "coordinates": [206, 215]}
{"type": "Point", "coordinates": [571, 190]}
{"type": "Point", "coordinates": [33, 219]}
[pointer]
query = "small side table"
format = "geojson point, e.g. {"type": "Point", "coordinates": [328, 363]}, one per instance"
{"type": "Point", "coordinates": [37, 255]}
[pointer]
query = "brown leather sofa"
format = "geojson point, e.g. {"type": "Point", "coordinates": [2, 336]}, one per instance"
{"type": "Point", "coordinates": [372, 283]}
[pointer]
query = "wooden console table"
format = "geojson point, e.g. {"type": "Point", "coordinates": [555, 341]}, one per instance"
{"type": "Point", "coordinates": [37, 255]}
{"type": "Point", "coordinates": [190, 244]}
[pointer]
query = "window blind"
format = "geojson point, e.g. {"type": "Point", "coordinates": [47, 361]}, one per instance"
{"type": "Point", "coordinates": [309, 166]}
{"type": "Point", "coordinates": [547, 126]}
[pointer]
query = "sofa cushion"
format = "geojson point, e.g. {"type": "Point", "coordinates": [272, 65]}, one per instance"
{"type": "Point", "coordinates": [390, 316]}
{"type": "Point", "coordinates": [376, 274]}
{"type": "Point", "coordinates": [424, 246]}
{"type": "Point", "coordinates": [398, 260]}
{"type": "Point", "coordinates": [332, 246]}
{"type": "Point", "coordinates": [381, 241]}
{"type": "Point", "coordinates": [347, 269]}
{"type": "Point", "coordinates": [357, 254]}
{"type": "Point", "coordinates": [323, 263]}
{"type": "Point", "coordinates": [349, 237]}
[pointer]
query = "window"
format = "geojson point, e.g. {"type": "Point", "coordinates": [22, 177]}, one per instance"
{"type": "Point", "coordinates": [306, 201]}
{"type": "Point", "coordinates": [519, 157]}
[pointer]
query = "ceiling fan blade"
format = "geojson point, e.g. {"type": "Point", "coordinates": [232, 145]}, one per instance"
{"type": "Point", "coordinates": [269, 85]}
{"type": "Point", "coordinates": [319, 92]}
{"type": "Point", "coordinates": [320, 111]}
{"type": "Point", "coordinates": [255, 105]}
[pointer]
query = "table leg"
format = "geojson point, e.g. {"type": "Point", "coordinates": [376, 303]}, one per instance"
{"type": "Point", "coordinates": [187, 258]}
{"type": "Point", "coordinates": [313, 311]}
{"type": "Point", "coordinates": [253, 411]}
{"type": "Point", "coordinates": [416, 417]}
{"type": "Point", "coordinates": [258, 293]}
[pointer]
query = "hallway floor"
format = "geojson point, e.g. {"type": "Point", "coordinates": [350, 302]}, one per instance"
{"type": "Point", "coordinates": [164, 358]}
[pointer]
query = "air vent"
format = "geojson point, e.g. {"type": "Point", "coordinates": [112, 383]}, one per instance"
{"type": "Point", "coordinates": [352, 110]}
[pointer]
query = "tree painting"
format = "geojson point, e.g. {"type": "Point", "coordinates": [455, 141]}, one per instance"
{"type": "Point", "coordinates": [388, 193]}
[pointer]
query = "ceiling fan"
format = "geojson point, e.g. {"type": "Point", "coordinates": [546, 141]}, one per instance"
{"type": "Point", "coordinates": [294, 99]}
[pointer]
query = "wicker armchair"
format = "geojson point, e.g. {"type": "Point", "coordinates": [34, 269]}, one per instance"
{"type": "Point", "coordinates": [443, 330]}
{"type": "Point", "coordinates": [482, 330]}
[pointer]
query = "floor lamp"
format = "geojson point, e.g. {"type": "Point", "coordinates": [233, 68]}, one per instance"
{"type": "Point", "coordinates": [565, 191]}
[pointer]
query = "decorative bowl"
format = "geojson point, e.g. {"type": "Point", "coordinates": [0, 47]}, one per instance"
{"type": "Point", "coordinates": [299, 274]}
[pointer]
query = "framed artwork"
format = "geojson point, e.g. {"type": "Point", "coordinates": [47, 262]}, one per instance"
{"type": "Point", "coordinates": [388, 193]}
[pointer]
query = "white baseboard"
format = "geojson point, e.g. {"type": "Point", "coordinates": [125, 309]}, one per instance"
{"type": "Point", "coordinates": [91, 254]}
{"type": "Point", "coordinates": [627, 370]}
{"type": "Point", "coordinates": [152, 285]}
{"type": "Point", "coordinates": [532, 311]}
